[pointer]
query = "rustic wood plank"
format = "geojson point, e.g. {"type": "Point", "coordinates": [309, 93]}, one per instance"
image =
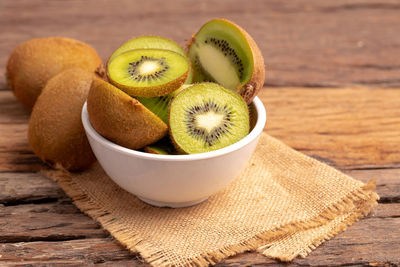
{"type": "Point", "coordinates": [304, 43]}
{"type": "Point", "coordinates": [347, 128]}
{"type": "Point", "coordinates": [50, 222]}
{"type": "Point", "coordinates": [15, 153]}
{"type": "Point", "coordinates": [11, 112]}
{"type": "Point", "coordinates": [17, 188]}
{"type": "Point", "coordinates": [75, 252]}
{"type": "Point", "coordinates": [352, 247]}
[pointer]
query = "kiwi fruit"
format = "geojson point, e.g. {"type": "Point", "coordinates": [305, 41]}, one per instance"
{"type": "Point", "coordinates": [148, 72]}
{"type": "Point", "coordinates": [122, 119]}
{"type": "Point", "coordinates": [207, 117]}
{"type": "Point", "coordinates": [152, 42]}
{"type": "Point", "coordinates": [162, 147]}
{"type": "Point", "coordinates": [223, 52]}
{"type": "Point", "coordinates": [159, 105]}
{"type": "Point", "coordinates": [56, 133]}
{"type": "Point", "coordinates": [34, 62]}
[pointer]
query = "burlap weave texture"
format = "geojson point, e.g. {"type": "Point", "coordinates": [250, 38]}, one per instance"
{"type": "Point", "coordinates": [283, 205]}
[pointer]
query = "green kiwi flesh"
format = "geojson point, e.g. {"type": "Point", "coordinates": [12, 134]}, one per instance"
{"type": "Point", "coordinates": [149, 42]}
{"type": "Point", "coordinates": [148, 72]}
{"type": "Point", "coordinates": [207, 117]}
{"type": "Point", "coordinates": [152, 42]}
{"type": "Point", "coordinates": [220, 52]}
{"type": "Point", "coordinates": [159, 105]}
{"type": "Point", "coordinates": [162, 147]}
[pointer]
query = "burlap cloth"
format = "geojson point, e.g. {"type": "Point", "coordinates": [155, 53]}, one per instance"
{"type": "Point", "coordinates": [283, 205]}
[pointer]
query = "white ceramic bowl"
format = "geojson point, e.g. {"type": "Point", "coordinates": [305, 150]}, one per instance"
{"type": "Point", "coordinates": [175, 180]}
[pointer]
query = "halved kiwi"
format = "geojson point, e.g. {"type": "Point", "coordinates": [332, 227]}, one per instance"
{"type": "Point", "coordinates": [34, 62]}
{"type": "Point", "coordinates": [122, 119]}
{"type": "Point", "coordinates": [152, 42]}
{"type": "Point", "coordinates": [148, 72]}
{"type": "Point", "coordinates": [224, 53]}
{"type": "Point", "coordinates": [206, 117]}
{"type": "Point", "coordinates": [56, 132]}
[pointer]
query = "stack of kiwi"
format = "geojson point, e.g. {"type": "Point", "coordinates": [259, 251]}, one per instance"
{"type": "Point", "coordinates": [154, 98]}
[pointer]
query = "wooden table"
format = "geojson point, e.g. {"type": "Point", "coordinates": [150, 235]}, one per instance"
{"type": "Point", "coordinates": [332, 92]}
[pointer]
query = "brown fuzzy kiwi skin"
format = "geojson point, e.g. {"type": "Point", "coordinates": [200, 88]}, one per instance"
{"type": "Point", "coordinates": [34, 62]}
{"type": "Point", "coordinates": [249, 90]}
{"type": "Point", "coordinates": [122, 119]}
{"type": "Point", "coordinates": [152, 91]}
{"type": "Point", "coordinates": [56, 133]}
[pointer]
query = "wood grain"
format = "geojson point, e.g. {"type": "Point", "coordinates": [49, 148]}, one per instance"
{"type": "Point", "coordinates": [304, 43]}
{"type": "Point", "coordinates": [50, 222]}
{"type": "Point", "coordinates": [347, 128]}
{"type": "Point", "coordinates": [20, 188]}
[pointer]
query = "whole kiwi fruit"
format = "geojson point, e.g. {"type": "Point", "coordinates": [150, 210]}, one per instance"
{"type": "Point", "coordinates": [56, 133]}
{"type": "Point", "coordinates": [225, 53]}
{"type": "Point", "coordinates": [121, 118]}
{"type": "Point", "coordinates": [34, 62]}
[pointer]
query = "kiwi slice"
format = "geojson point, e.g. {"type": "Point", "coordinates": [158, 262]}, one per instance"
{"type": "Point", "coordinates": [122, 119]}
{"type": "Point", "coordinates": [206, 117]}
{"type": "Point", "coordinates": [224, 53]}
{"type": "Point", "coordinates": [34, 62]}
{"type": "Point", "coordinates": [159, 105]}
{"type": "Point", "coordinates": [148, 72]}
{"type": "Point", "coordinates": [56, 133]}
{"type": "Point", "coordinates": [152, 42]}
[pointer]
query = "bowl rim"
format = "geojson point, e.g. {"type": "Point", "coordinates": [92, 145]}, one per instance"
{"type": "Point", "coordinates": [255, 132]}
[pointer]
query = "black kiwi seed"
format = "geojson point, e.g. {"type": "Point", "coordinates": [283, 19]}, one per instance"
{"type": "Point", "coordinates": [199, 133]}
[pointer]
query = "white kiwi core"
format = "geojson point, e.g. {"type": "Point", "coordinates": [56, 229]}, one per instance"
{"type": "Point", "coordinates": [209, 120]}
{"type": "Point", "coordinates": [219, 66]}
{"type": "Point", "coordinates": [148, 67]}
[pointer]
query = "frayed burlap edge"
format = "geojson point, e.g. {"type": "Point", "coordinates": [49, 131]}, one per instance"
{"type": "Point", "coordinates": [131, 240]}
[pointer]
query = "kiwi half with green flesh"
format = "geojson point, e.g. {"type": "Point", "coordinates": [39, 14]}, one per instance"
{"type": "Point", "coordinates": [152, 42]}
{"type": "Point", "coordinates": [207, 117]}
{"type": "Point", "coordinates": [56, 133]}
{"type": "Point", "coordinates": [224, 53]}
{"type": "Point", "coordinates": [34, 62]}
{"type": "Point", "coordinates": [122, 119]}
{"type": "Point", "coordinates": [148, 72]}
{"type": "Point", "coordinates": [159, 105]}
